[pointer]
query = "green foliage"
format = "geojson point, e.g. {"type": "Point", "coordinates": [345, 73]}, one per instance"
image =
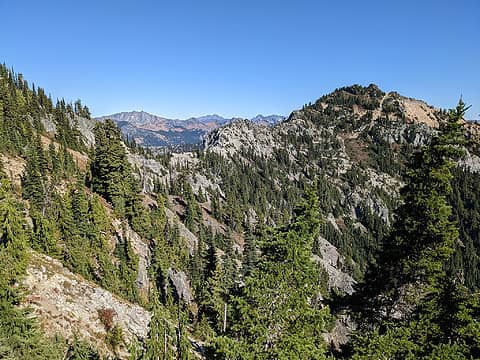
{"type": "Point", "coordinates": [161, 335]}
{"type": "Point", "coordinates": [80, 350]}
{"type": "Point", "coordinates": [366, 97]}
{"type": "Point", "coordinates": [81, 110]}
{"type": "Point", "coordinates": [13, 243]}
{"type": "Point", "coordinates": [110, 170]}
{"type": "Point", "coordinates": [277, 313]}
{"type": "Point", "coordinates": [46, 235]}
{"type": "Point", "coordinates": [34, 181]}
{"type": "Point", "coordinates": [439, 318]}
{"type": "Point", "coordinates": [127, 269]}
{"type": "Point", "coordinates": [250, 254]}
{"type": "Point", "coordinates": [67, 127]}
{"type": "Point", "coordinates": [445, 326]}
{"type": "Point", "coordinates": [85, 229]}
{"type": "Point", "coordinates": [17, 102]}
{"type": "Point", "coordinates": [465, 203]}
{"type": "Point", "coordinates": [220, 285]}
{"type": "Point", "coordinates": [426, 236]}
{"type": "Point", "coordinates": [20, 335]}
{"type": "Point", "coordinates": [272, 301]}
{"type": "Point", "coordinates": [115, 337]}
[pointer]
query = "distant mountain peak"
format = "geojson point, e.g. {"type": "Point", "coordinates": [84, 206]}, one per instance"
{"type": "Point", "coordinates": [153, 130]}
{"type": "Point", "coordinates": [267, 120]}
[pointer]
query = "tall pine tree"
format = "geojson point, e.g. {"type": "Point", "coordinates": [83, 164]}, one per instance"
{"type": "Point", "coordinates": [415, 307]}
{"type": "Point", "coordinates": [278, 314]}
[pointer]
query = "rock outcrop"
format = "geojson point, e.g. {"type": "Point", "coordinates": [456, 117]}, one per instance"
{"type": "Point", "coordinates": [68, 305]}
{"type": "Point", "coordinates": [332, 261]}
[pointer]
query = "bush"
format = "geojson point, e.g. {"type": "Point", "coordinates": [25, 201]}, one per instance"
{"type": "Point", "coordinates": [106, 318]}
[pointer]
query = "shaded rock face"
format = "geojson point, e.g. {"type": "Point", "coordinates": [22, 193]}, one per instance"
{"type": "Point", "coordinates": [340, 334]}
{"type": "Point", "coordinates": [69, 305]}
{"type": "Point", "coordinates": [471, 162]}
{"type": "Point", "coordinates": [147, 171]}
{"type": "Point", "coordinates": [181, 283]}
{"type": "Point", "coordinates": [141, 249]}
{"type": "Point", "coordinates": [330, 260]}
{"type": "Point", "coordinates": [85, 126]}
{"type": "Point", "coordinates": [49, 125]}
{"type": "Point", "coordinates": [190, 239]}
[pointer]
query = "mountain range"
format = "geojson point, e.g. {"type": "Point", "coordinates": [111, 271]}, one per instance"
{"type": "Point", "coordinates": [157, 131]}
{"type": "Point", "coordinates": [135, 254]}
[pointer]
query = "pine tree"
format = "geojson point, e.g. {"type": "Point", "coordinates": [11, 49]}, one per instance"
{"type": "Point", "coordinates": [34, 182]}
{"type": "Point", "coordinates": [80, 208]}
{"type": "Point", "coordinates": [277, 314]}
{"type": "Point", "coordinates": [250, 257]}
{"type": "Point", "coordinates": [111, 173]}
{"type": "Point", "coordinates": [423, 237]}
{"type": "Point", "coordinates": [439, 319]}
{"type": "Point", "coordinates": [13, 242]}
{"type": "Point", "coordinates": [159, 344]}
{"type": "Point", "coordinates": [46, 236]}
{"type": "Point", "coordinates": [20, 335]}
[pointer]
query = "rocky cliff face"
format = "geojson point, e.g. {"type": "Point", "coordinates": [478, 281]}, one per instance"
{"type": "Point", "coordinates": [350, 131]}
{"type": "Point", "coordinates": [69, 305]}
{"type": "Point", "coordinates": [84, 125]}
{"type": "Point", "coordinates": [332, 261]}
{"type": "Point", "coordinates": [140, 248]}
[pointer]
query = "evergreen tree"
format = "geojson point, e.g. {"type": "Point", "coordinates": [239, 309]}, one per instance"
{"type": "Point", "coordinates": [111, 173]}
{"type": "Point", "coordinates": [250, 257]}
{"type": "Point", "coordinates": [277, 314]}
{"type": "Point", "coordinates": [437, 317]}
{"type": "Point", "coordinates": [20, 335]}
{"type": "Point", "coordinates": [423, 237]}
{"type": "Point", "coordinates": [13, 243]}
{"type": "Point", "coordinates": [46, 236]}
{"type": "Point", "coordinates": [80, 350]}
{"type": "Point", "coordinates": [34, 182]}
{"type": "Point", "coordinates": [80, 208]}
{"type": "Point", "coordinates": [159, 344]}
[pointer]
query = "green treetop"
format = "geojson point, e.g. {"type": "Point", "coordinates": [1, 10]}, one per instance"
{"type": "Point", "coordinates": [278, 313]}
{"type": "Point", "coordinates": [419, 309]}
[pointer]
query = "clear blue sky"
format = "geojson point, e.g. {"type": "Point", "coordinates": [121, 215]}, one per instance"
{"type": "Point", "coordinates": [241, 57]}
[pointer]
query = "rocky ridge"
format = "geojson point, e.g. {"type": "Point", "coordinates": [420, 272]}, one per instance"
{"type": "Point", "coordinates": [152, 130]}
{"type": "Point", "coordinates": [345, 136]}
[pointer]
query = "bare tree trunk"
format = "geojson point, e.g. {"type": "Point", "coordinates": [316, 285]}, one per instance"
{"type": "Point", "coordinates": [225, 318]}
{"type": "Point", "coordinates": [165, 342]}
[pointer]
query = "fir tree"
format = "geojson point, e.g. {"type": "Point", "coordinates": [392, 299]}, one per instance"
{"type": "Point", "coordinates": [277, 314]}
{"type": "Point", "coordinates": [111, 173]}
{"type": "Point", "coordinates": [20, 335]}
{"type": "Point", "coordinates": [439, 319]}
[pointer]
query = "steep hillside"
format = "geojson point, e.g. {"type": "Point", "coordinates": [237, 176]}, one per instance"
{"type": "Point", "coordinates": [84, 246]}
{"type": "Point", "coordinates": [78, 306]}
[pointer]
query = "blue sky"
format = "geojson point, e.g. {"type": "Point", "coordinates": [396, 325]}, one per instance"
{"type": "Point", "coordinates": [240, 58]}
